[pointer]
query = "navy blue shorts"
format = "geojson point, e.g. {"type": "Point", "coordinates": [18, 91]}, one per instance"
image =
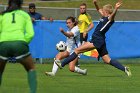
{"type": "Point", "coordinates": [100, 45]}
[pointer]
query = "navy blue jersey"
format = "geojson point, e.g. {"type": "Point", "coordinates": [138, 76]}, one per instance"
{"type": "Point", "coordinates": [102, 27]}
{"type": "Point", "coordinates": [35, 15]}
{"type": "Point", "coordinates": [98, 37]}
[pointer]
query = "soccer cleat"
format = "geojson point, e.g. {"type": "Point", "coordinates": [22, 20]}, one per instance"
{"type": "Point", "coordinates": [85, 72]}
{"type": "Point", "coordinates": [58, 63]}
{"type": "Point", "coordinates": [127, 71]}
{"type": "Point", "coordinates": [49, 73]}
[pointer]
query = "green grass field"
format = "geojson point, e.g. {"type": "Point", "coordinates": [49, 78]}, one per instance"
{"type": "Point", "coordinates": [101, 78]}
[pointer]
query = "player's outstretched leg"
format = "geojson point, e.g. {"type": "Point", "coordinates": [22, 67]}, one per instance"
{"type": "Point", "coordinates": [116, 64]}
{"type": "Point", "coordinates": [66, 61]}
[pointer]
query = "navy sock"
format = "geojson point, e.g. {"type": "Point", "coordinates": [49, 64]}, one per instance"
{"type": "Point", "coordinates": [116, 64]}
{"type": "Point", "coordinates": [69, 59]}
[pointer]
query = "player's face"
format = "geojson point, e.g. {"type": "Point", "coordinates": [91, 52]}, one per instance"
{"type": "Point", "coordinates": [105, 12]}
{"type": "Point", "coordinates": [82, 9]}
{"type": "Point", "coordinates": [70, 24]}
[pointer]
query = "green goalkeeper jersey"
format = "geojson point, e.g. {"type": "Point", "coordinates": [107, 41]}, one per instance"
{"type": "Point", "coordinates": [16, 25]}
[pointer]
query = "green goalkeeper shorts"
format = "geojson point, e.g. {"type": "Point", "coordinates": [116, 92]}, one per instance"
{"type": "Point", "coordinates": [17, 49]}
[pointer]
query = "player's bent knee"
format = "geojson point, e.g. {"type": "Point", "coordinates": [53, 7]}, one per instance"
{"type": "Point", "coordinates": [106, 61]}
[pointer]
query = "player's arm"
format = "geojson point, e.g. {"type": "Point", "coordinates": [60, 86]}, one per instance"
{"type": "Point", "coordinates": [70, 34]}
{"type": "Point", "coordinates": [112, 16]}
{"type": "Point", "coordinates": [42, 17]}
{"type": "Point", "coordinates": [33, 19]}
{"type": "Point", "coordinates": [97, 7]}
{"type": "Point", "coordinates": [29, 30]}
{"type": "Point", "coordinates": [91, 25]}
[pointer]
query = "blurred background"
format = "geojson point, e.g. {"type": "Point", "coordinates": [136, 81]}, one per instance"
{"type": "Point", "coordinates": [61, 9]}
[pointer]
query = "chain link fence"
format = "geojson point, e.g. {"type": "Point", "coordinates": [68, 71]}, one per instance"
{"type": "Point", "coordinates": [62, 13]}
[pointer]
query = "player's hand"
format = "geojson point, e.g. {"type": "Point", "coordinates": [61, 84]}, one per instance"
{"type": "Point", "coordinates": [33, 19]}
{"type": "Point", "coordinates": [118, 4]}
{"type": "Point", "coordinates": [61, 30]}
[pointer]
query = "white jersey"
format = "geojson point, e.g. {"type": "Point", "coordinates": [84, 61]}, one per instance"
{"type": "Point", "coordinates": [73, 42]}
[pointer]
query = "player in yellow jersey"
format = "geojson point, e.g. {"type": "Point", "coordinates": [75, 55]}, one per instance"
{"type": "Point", "coordinates": [16, 32]}
{"type": "Point", "coordinates": [85, 23]}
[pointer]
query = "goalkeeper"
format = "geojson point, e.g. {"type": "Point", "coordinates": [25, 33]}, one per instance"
{"type": "Point", "coordinates": [16, 32]}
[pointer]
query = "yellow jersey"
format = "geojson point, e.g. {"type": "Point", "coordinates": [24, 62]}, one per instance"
{"type": "Point", "coordinates": [84, 20]}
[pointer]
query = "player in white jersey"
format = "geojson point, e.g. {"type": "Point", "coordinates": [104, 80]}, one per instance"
{"type": "Point", "coordinates": [73, 41]}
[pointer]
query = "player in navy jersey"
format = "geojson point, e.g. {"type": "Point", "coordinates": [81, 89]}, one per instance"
{"type": "Point", "coordinates": [98, 38]}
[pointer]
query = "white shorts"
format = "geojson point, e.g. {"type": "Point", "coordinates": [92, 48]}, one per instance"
{"type": "Point", "coordinates": [70, 49]}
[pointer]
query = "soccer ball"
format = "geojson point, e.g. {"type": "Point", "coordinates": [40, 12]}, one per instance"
{"type": "Point", "coordinates": [61, 46]}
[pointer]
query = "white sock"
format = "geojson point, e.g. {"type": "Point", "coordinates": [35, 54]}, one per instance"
{"type": "Point", "coordinates": [55, 67]}
{"type": "Point", "coordinates": [78, 70]}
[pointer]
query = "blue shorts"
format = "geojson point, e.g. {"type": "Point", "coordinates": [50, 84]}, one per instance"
{"type": "Point", "coordinates": [100, 45]}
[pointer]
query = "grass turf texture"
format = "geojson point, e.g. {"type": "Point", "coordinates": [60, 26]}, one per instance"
{"type": "Point", "coordinates": [101, 78]}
